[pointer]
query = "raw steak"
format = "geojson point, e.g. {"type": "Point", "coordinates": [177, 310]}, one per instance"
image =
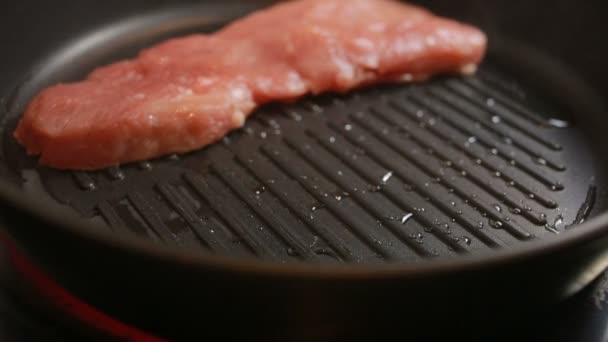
{"type": "Point", "coordinates": [189, 92]}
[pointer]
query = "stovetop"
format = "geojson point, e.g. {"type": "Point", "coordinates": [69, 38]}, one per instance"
{"type": "Point", "coordinates": [583, 318]}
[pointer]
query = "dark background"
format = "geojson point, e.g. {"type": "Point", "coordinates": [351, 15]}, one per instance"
{"type": "Point", "coordinates": [567, 29]}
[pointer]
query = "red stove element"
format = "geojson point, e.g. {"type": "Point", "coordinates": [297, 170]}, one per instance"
{"type": "Point", "coordinates": [69, 304]}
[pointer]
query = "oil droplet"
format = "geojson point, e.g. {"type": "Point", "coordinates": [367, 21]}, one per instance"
{"type": "Point", "coordinates": [387, 177]}
{"type": "Point", "coordinates": [490, 102]}
{"type": "Point", "coordinates": [340, 173]}
{"type": "Point", "coordinates": [348, 127]}
{"type": "Point", "coordinates": [558, 220]}
{"type": "Point", "coordinates": [420, 210]}
{"type": "Point", "coordinates": [496, 119]}
{"type": "Point", "coordinates": [541, 161]}
{"type": "Point", "coordinates": [117, 174]}
{"type": "Point", "coordinates": [455, 239]}
{"type": "Point", "coordinates": [480, 225]}
{"type": "Point", "coordinates": [453, 204]}
{"type": "Point", "coordinates": [273, 123]}
{"type": "Point", "coordinates": [374, 188]}
{"type": "Point", "coordinates": [511, 184]}
{"type": "Point", "coordinates": [332, 139]}
{"type": "Point", "coordinates": [84, 182]}
{"type": "Point", "coordinates": [146, 165]}
{"type": "Point", "coordinates": [263, 135]}
{"type": "Point", "coordinates": [447, 230]}
{"type": "Point", "coordinates": [557, 123]}
{"type": "Point", "coordinates": [259, 190]}
{"type": "Point", "coordinates": [406, 218]}
{"type": "Point", "coordinates": [466, 240]}
{"type": "Point", "coordinates": [496, 224]}
{"type": "Point", "coordinates": [551, 229]}
{"type": "Point", "coordinates": [472, 140]}
{"type": "Point", "coordinates": [316, 207]}
{"type": "Point", "coordinates": [497, 207]}
{"type": "Point", "coordinates": [515, 211]}
{"type": "Point", "coordinates": [494, 151]}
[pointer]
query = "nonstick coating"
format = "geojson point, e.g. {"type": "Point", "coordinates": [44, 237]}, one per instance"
{"type": "Point", "coordinates": [169, 293]}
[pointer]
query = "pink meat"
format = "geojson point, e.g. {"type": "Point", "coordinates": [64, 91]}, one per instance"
{"type": "Point", "coordinates": [189, 92]}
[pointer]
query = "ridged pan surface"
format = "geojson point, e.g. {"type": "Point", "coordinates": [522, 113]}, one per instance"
{"type": "Point", "coordinates": [396, 173]}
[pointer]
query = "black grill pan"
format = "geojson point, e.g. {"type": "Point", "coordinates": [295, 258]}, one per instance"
{"type": "Point", "coordinates": [342, 200]}
{"type": "Point", "coordinates": [396, 173]}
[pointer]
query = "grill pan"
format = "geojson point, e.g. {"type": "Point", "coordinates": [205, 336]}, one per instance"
{"type": "Point", "coordinates": [394, 200]}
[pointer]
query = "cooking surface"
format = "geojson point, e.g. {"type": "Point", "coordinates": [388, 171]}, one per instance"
{"type": "Point", "coordinates": [395, 173]}
{"type": "Point", "coordinates": [450, 167]}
